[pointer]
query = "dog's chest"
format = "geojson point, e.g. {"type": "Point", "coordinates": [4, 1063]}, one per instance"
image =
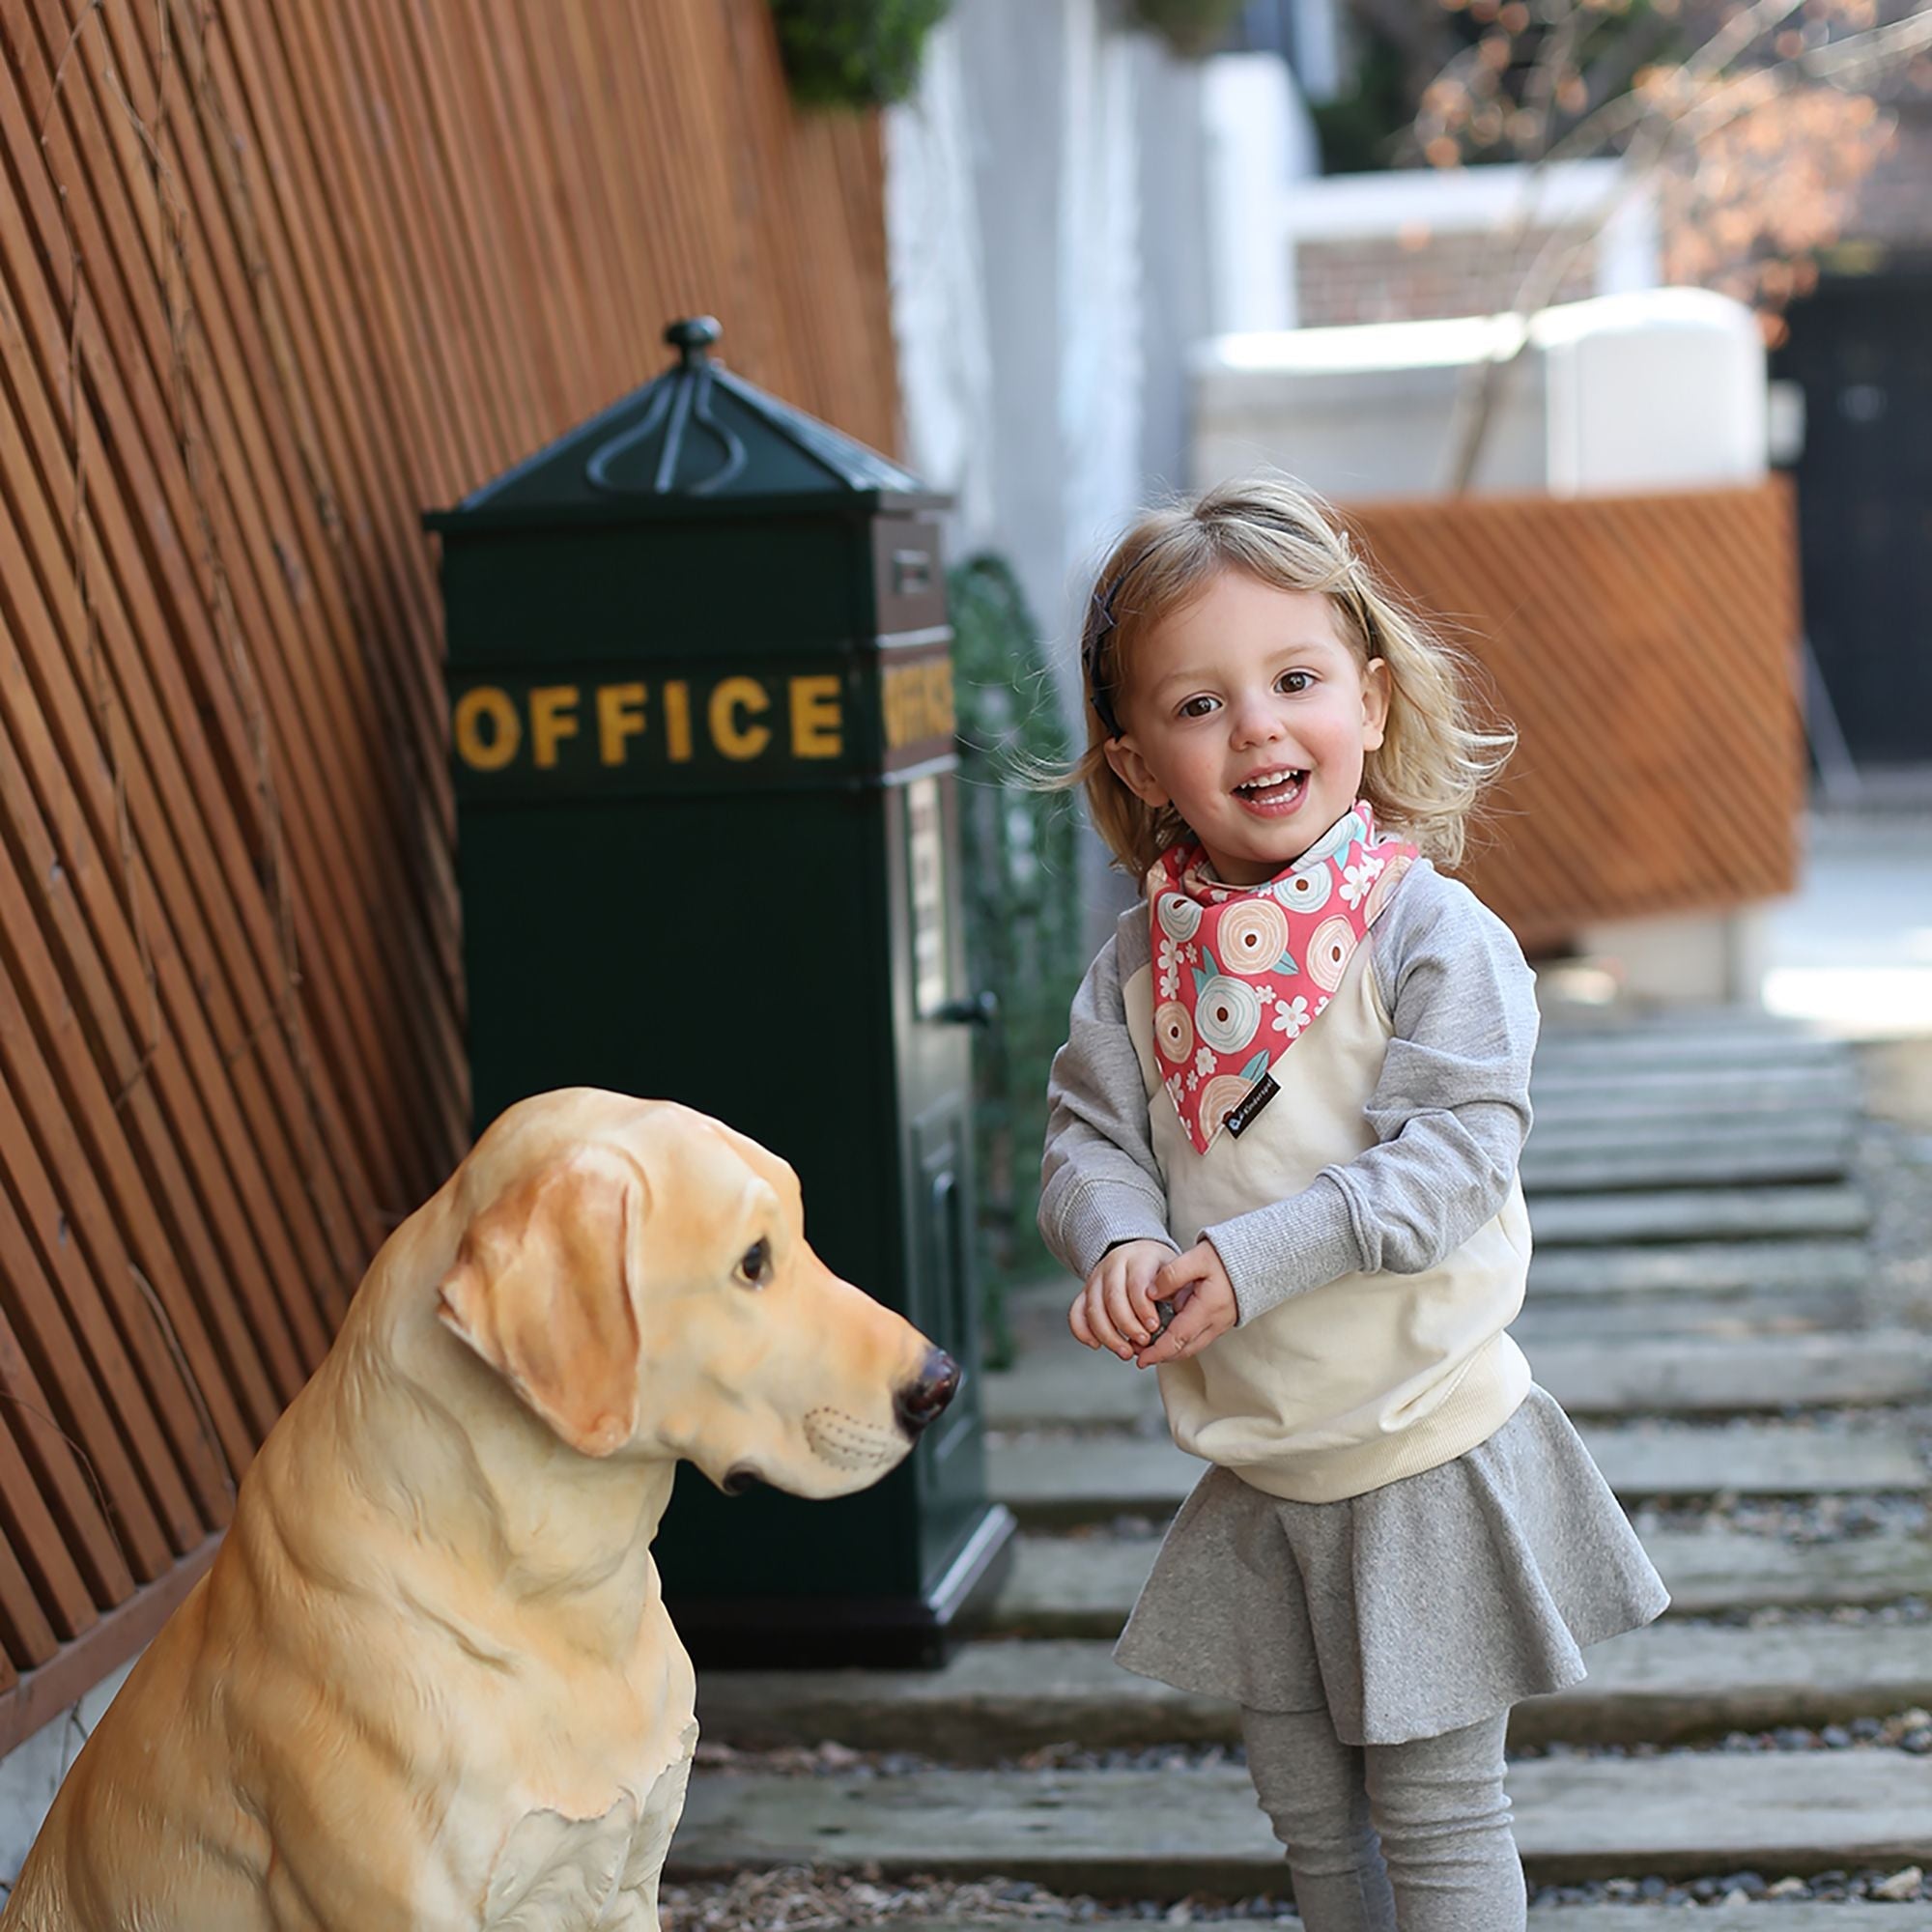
{"type": "Point", "coordinates": [558, 1874]}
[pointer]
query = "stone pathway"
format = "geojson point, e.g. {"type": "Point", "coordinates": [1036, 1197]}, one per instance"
{"type": "Point", "coordinates": [1074, 1479]}
{"type": "Point", "coordinates": [1704, 1303]}
{"type": "Point", "coordinates": [1678, 1373]}
{"type": "Point", "coordinates": [1085, 1585]}
{"type": "Point", "coordinates": [1179, 1829]}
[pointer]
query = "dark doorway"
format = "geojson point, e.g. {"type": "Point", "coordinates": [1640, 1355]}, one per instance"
{"type": "Point", "coordinates": [1861, 349]}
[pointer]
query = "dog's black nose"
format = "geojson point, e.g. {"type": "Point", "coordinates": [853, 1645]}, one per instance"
{"type": "Point", "coordinates": [920, 1402]}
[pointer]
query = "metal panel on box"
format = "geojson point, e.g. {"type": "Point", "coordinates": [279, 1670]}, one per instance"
{"type": "Point", "coordinates": [702, 725]}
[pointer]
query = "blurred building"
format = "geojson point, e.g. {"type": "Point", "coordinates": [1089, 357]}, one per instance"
{"type": "Point", "coordinates": [1619, 542]}
{"type": "Point", "coordinates": [1858, 359]}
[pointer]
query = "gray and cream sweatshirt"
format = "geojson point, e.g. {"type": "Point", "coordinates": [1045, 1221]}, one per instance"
{"type": "Point", "coordinates": [1370, 1217]}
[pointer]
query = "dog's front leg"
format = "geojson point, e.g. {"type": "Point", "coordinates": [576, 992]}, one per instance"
{"type": "Point", "coordinates": [634, 1906]}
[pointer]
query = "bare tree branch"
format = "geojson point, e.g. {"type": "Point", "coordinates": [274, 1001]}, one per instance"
{"type": "Point", "coordinates": [1701, 99]}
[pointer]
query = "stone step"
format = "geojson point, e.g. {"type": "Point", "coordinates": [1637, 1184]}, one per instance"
{"type": "Point", "coordinates": [1640, 1093]}
{"type": "Point", "coordinates": [1782, 1915]}
{"type": "Point", "coordinates": [1670, 1683]}
{"type": "Point", "coordinates": [1614, 1021]}
{"type": "Point", "coordinates": [1690, 1124]}
{"type": "Point", "coordinates": [1615, 1318]}
{"type": "Point", "coordinates": [1705, 1050]}
{"type": "Point", "coordinates": [1697, 1215]}
{"type": "Point", "coordinates": [1682, 1375]}
{"type": "Point", "coordinates": [1609, 1317]}
{"type": "Point", "coordinates": [1735, 1374]}
{"type": "Point", "coordinates": [1728, 1287]}
{"type": "Point", "coordinates": [1085, 1585]}
{"type": "Point", "coordinates": [1060, 1479]}
{"type": "Point", "coordinates": [1769, 1268]}
{"type": "Point", "coordinates": [1165, 1834]}
{"type": "Point", "coordinates": [1712, 1162]}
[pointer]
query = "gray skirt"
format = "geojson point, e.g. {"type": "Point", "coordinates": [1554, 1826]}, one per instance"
{"type": "Point", "coordinates": [1416, 1608]}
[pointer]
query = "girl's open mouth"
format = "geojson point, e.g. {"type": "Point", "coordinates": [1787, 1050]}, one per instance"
{"type": "Point", "coordinates": [1271, 794]}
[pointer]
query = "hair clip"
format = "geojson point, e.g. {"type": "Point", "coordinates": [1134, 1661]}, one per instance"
{"type": "Point", "coordinates": [1098, 694]}
{"type": "Point", "coordinates": [1097, 631]}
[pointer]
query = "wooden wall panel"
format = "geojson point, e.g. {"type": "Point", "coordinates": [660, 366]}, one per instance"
{"type": "Point", "coordinates": [273, 280]}
{"type": "Point", "coordinates": [1645, 648]}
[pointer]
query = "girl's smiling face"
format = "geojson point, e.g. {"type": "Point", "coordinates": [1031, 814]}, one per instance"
{"type": "Point", "coordinates": [1248, 711]}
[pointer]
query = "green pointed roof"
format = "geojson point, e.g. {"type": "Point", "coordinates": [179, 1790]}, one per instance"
{"type": "Point", "coordinates": [698, 441]}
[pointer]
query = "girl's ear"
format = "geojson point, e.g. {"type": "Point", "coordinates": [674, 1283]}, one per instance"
{"type": "Point", "coordinates": [1132, 769]}
{"type": "Point", "coordinates": [1376, 689]}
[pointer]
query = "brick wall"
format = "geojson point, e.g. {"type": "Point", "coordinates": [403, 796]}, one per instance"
{"type": "Point", "coordinates": [1418, 274]}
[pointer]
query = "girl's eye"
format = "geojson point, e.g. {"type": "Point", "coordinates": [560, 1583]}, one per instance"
{"type": "Point", "coordinates": [1196, 708]}
{"type": "Point", "coordinates": [1293, 681]}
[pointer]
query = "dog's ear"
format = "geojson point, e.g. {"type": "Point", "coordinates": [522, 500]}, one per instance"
{"type": "Point", "coordinates": [542, 1290]}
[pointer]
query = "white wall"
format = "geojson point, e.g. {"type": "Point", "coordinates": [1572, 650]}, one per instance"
{"type": "Point", "coordinates": [30, 1774]}
{"type": "Point", "coordinates": [1045, 216]}
{"type": "Point", "coordinates": [1661, 389]}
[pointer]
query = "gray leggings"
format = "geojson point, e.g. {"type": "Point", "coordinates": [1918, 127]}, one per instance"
{"type": "Point", "coordinates": [1409, 1837]}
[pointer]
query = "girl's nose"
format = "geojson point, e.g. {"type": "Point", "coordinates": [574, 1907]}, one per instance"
{"type": "Point", "coordinates": [1254, 721]}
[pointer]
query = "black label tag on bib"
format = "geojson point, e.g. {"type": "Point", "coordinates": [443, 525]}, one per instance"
{"type": "Point", "coordinates": [1239, 1120]}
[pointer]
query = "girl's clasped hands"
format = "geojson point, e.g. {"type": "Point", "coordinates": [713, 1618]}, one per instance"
{"type": "Point", "coordinates": [1116, 1309]}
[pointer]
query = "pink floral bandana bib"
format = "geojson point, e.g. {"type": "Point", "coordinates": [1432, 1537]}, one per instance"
{"type": "Point", "coordinates": [1242, 972]}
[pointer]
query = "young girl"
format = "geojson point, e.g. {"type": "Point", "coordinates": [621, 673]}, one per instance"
{"type": "Point", "coordinates": [1286, 1125]}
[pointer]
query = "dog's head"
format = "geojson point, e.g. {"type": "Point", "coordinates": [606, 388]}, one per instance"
{"type": "Point", "coordinates": [638, 1273]}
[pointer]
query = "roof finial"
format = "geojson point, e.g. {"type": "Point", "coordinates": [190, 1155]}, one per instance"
{"type": "Point", "coordinates": [692, 336]}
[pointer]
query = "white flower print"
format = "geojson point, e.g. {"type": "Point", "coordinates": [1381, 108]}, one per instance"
{"type": "Point", "coordinates": [1170, 969]}
{"type": "Point", "coordinates": [1358, 878]}
{"type": "Point", "coordinates": [1290, 1016]}
{"type": "Point", "coordinates": [1265, 994]}
{"type": "Point", "coordinates": [1204, 1060]}
{"type": "Point", "coordinates": [1193, 1081]}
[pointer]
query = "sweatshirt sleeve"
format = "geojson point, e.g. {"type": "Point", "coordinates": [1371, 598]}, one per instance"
{"type": "Point", "coordinates": [1099, 1182]}
{"type": "Point", "coordinates": [1450, 1110]}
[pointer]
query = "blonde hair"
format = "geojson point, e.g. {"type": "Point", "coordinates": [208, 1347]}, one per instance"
{"type": "Point", "coordinates": [1435, 759]}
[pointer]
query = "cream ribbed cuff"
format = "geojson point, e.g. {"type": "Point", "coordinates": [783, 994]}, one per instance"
{"type": "Point", "coordinates": [1100, 1215]}
{"type": "Point", "coordinates": [1288, 1247]}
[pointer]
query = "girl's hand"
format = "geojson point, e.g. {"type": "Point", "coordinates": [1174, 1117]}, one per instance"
{"type": "Point", "coordinates": [1204, 1305]}
{"type": "Point", "coordinates": [1115, 1308]}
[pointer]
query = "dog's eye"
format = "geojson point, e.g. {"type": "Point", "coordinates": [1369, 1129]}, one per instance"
{"type": "Point", "coordinates": [757, 1265]}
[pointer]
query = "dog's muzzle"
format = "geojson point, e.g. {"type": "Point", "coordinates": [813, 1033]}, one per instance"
{"type": "Point", "coordinates": [920, 1402]}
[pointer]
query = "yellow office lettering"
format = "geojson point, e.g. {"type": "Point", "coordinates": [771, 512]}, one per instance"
{"type": "Point", "coordinates": [552, 709]}
{"type": "Point", "coordinates": [817, 723]}
{"type": "Point", "coordinates": [918, 702]}
{"type": "Point", "coordinates": [507, 729]}
{"type": "Point", "coordinates": [734, 738]}
{"type": "Point", "coordinates": [678, 720]}
{"type": "Point", "coordinates": [620, 714]}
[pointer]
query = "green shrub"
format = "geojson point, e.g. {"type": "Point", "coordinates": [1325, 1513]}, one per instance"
{"type": "Point", "coordinates": [854, 53]}
{"type": "Point", "coordinates": [1021, 894]}
{"type": "Point", "coordinates": [1192, 28]}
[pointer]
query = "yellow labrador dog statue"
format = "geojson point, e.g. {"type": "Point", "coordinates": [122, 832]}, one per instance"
{"type": "Point", "coordinates": [428, 1684]}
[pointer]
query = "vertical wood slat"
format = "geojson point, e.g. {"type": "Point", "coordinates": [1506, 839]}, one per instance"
{"type": "Point", "coordinates": [272, 283]}
{"type": "Point", "coordinates": [1644, 648]}
{"type": "Point", "coordinates": [224, 484]}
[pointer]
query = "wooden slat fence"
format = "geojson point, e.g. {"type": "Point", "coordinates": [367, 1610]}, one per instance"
{"type": "Point", "coordinates": [1645, 648]}
{"type": "Point", "coordinates": [272, 280]}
